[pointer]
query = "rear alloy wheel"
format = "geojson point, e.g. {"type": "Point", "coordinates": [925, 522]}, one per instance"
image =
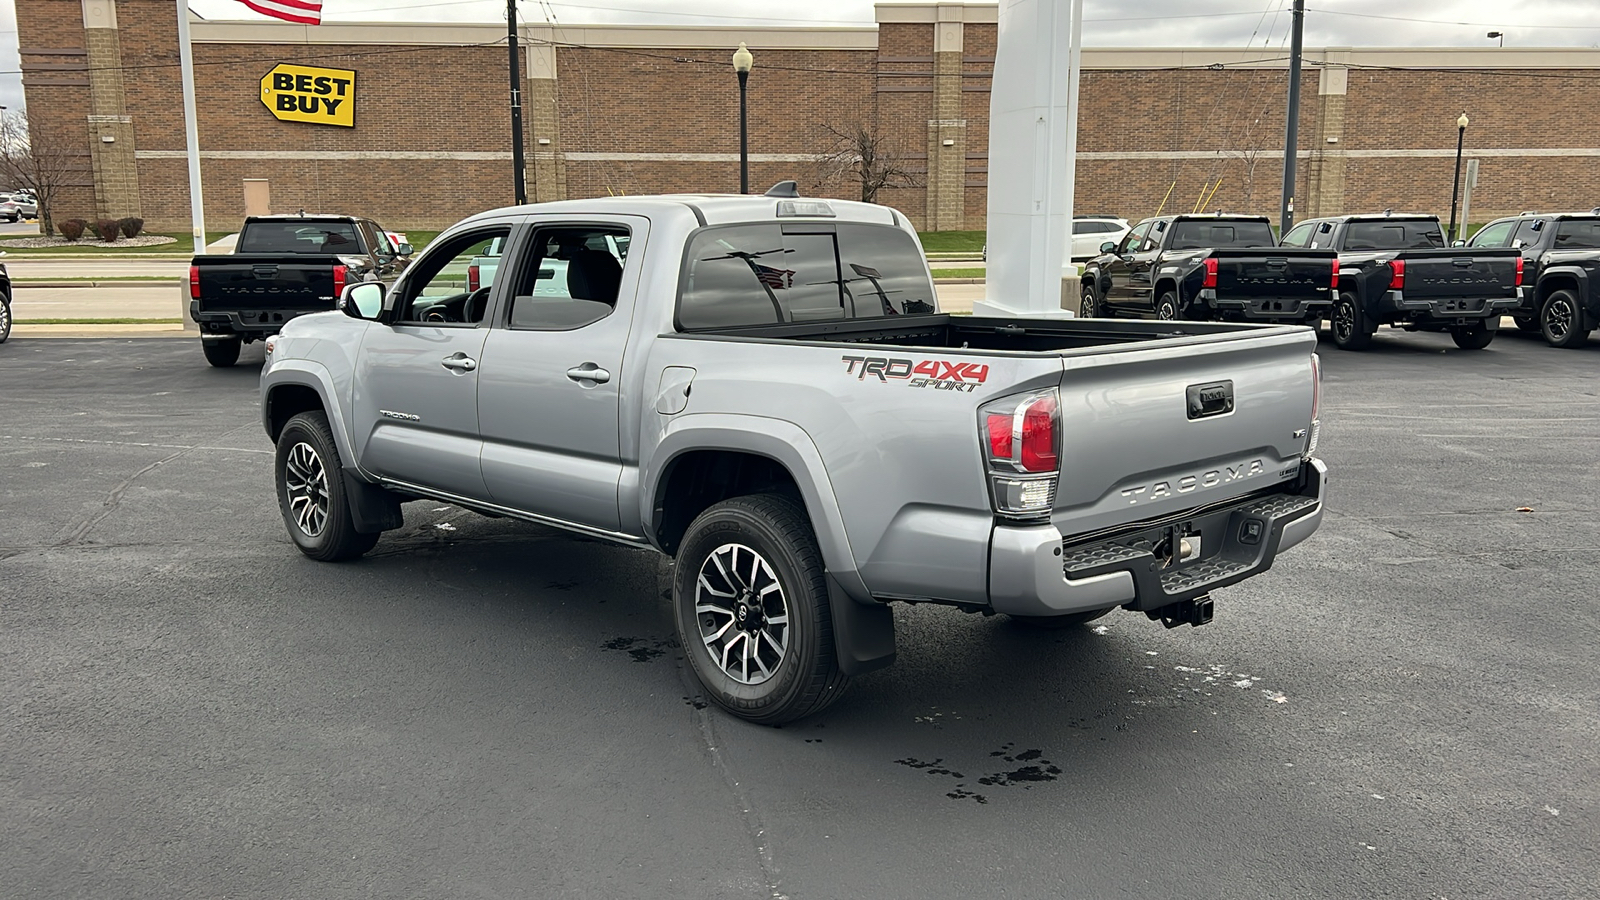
{"type": "Point", "coordinates": [1167, 306]}
{"type": "Point", "coordinates": [1561, 321]}
{"type": "Point", "coordinates": [1059, 623]}
{"type": "Point", "coordinates": [1089, 304]}
{"type": "Point", "coordinates": [1472, 337]}
{"type": "Point", "coordinates": [1345, 322]}
{"type": "Point", "coordinates": [751, 606]}
{"type": "Point", "coordinates": [5, 318]}
{"type": "Point", "coordinates": [223, 353]}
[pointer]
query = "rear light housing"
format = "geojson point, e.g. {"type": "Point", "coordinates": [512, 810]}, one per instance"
{"type": "Point", "coordinates": [341, 274]}
{"type": "Point", "coordinates": [473, 277]}
{"type": "Point", "coordinates": [1519, 272]}
{"type": "Point", "coordinates": [1334, 285]}
{"type": "Point", "coordinates": [194, 282]}
{"type": "Point", "coordinates": [1315, 431]}
{"type": "Point", "coordinates": [1397, 281]}
{"type": "Point", "coordinates": [1211, 273]}
{"type": "Point", "coordinates": [1021, 437]}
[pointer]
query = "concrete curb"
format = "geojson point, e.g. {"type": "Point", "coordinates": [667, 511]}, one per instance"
{"type": "Point", "coordinates": [22, 331]}
{"type": "Point", "coordinates": [110, 282]}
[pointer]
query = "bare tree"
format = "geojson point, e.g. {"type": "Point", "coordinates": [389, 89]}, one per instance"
{"type": "Point", "coordinates": [859, 153]}
{"type": "Point", "coordinates": [39, 160]}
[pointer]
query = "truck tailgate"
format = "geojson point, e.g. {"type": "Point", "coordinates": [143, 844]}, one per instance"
{"type": "Point", "coordinates": [1278, 274]}
{"type": "Point", "coordinates": [1154, 430]}
{"type": "Point", "coordinates": [1467, 273]}
{"type": "Point", "coordinates": [243, 282]}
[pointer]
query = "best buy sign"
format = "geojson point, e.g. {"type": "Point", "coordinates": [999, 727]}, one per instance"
{"type": "Point", "coordinates": [308, 94]}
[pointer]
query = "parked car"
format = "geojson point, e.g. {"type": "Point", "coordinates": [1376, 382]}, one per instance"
{"type": "Point", "coordinates": [26, 206]}
{"type": "Point", "coordinates": [9, 211]}
{"type": "Point", "coordinates": [1560, 271]}
{"type": "Point", "coordinates": [811, 448]}
{"type": "Point", "coordinates": [1395, 270]}
{"type": "Point", "coordinates": [1089, 233]}
{"type": "Point", "coordinates": [282, 267]}
{"type": "Point", "coordinates": [1207, 267]}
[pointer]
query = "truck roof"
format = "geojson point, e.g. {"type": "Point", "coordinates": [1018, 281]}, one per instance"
{"type": "Point", "coordinates": [303, 217]}
{"type": "Point", "coordinates": [1363, 217]}
{"type": "Point", "coordinates": [713, 209]}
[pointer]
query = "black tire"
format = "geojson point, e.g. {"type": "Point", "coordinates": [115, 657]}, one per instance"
{"type": "Point", "coordinates": [772, 536]}
{"type": "Point", "coordinates": [1561, 320]}
{"type": "Point", "coordinates": [1059, 623]}
{"type": "Point", "coordinates": [1167, 307]}
{"type": "Point", "coordinates": [1472, 337]}
{"type": "Point", "coordinates": [307, 471]}
{"type": "Point", "coordinates": [1526, 323]}
{"type": "Point", "coordinates": [1346, 325]}
{"type": "Point", "coordinates": [224, 353]}
{"type": "Point", "coordinates": [5, 318]}
{"type": "Point", "coordinates": [1089, 304]}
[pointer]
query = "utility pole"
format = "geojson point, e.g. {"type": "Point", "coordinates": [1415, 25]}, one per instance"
{"type": "Point", "coordinates": [517, 165]}
{"type": "Point", "coordinates": [1291, 140]}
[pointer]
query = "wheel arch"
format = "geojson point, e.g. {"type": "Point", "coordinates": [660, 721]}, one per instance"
{"type": "Point", "coordinates": [292, 387]}
{"type": "Point", "coordinates": [1553, 280]}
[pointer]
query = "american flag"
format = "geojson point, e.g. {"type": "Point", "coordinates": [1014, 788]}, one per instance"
{"type": "Point", "coordinates": [775, 278]}
{"type": "Point", "coordinates": [306, 12]}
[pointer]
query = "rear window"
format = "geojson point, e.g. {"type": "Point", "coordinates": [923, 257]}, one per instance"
{"type": "Point", "coordinates": [760, 274]}
{"type": "Point", "coordinates": [299, 237]}
{"type": "Point", "coordinates": [1195, 235]}
{"type": "Point", "coordinates": [1578, 234]}
{"type": "Point", "coordinates": [1418, 234]}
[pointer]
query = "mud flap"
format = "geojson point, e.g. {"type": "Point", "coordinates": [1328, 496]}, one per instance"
{"type": "Point", "coordinates": [863, 633]}
{"type": "Point", "coordinates": [372, 508]}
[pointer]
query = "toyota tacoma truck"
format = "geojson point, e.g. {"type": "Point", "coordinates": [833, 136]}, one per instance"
{"type": "Point", "coordinates": [1395, 270]}
{"type": "Point", "coordinates": [282, 267]}
{"type": "Point", "coordinates": [764, 389]}
{"type": "Point", "coordinates": [1208, 267]}
{"type": "Point", "coordinates": [1560, 272]}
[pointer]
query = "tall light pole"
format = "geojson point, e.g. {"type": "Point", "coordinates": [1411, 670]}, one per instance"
{"type": "Point", "coordinates": [518, 165]}
{"type": "Point", "coordinates": [1499, 34]}
{"type": "Point", "coordinates": [1291, 135]}
{"type": "Point", "coordinates": [1455, 190]}
{"type": "Point", "coordinates": [741, 66]}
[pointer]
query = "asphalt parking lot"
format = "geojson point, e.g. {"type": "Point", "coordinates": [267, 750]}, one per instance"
{"type": "Point", "coordinates": [1405, 706]}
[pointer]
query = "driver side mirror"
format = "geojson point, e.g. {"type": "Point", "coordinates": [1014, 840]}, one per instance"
{"type": "Point", "coordinates": [1458, 243]}
{"type": "Point", "coordinates": [403, 250]}
{"type": "Point", "coordinates": [363, 300]}
{"type": "Point", "coordinates": [1108, 247]}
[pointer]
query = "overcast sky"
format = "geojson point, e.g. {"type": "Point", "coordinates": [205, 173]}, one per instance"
{"type": "Point", "coordinates": [1107, 23]}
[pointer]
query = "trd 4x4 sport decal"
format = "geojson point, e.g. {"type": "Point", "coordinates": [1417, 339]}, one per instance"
{"type": "Point", "coordinates": [937, 374]}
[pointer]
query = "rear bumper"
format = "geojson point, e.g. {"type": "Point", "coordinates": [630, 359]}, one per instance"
{"type": "Point", "coordinates": [1395, 306]}
{"type": "Point", "coordinates": [1270, 309]}
{"type": "Point", "coordinates": [1033, 572]}
{"type": "Point", "coordinates": [250, 323]}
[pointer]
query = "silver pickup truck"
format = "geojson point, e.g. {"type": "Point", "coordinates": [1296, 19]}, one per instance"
{"type": "Point", "coordinates": [765, 389]}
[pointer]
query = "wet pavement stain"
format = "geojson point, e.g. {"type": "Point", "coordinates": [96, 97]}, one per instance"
{"type": "Point", "coordinates": [696, 702]}
{"type": "Point", "coordinates": [961, 793]}
{"type": "Point", "coordinates": [641, 649]}
{"type": "Point", "coordinates": [1043, 770]}
{"type": "Point", "coordinates": [932, 768]}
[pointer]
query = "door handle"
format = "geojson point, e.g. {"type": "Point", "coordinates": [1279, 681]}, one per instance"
{"type": "Point", "coordinates": [589, 372]}
{"type": "Point", "coordinates": [460, 362]}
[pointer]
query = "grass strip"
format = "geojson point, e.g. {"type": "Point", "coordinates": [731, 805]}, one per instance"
{"type": "Point", "coordinates": [961, 273]}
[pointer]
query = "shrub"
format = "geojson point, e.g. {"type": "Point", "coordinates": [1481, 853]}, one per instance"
{"type": "Point", "coordinates": [131, 226]}
{"type": "Point", "coordinates": [107, 230]}
{"type": "Point", "coordinates": [72, 229]}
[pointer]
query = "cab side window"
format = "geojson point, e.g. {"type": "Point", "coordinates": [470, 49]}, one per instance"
{"type": "Point", "coordinates": [1300, 235]}
{"type": "Point", "coordinates": [1495, 234]}
{"type": "Point", "coordinates": [1528, 233]}
{"type": "Point", "coordinates": [570, 278]}
{"type": "Point", "coordinates": [450, 284]}
{"type": "Point", "coordinates": [1134, 240]}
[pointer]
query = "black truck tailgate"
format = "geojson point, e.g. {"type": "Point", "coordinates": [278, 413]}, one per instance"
{"type": "Point", "coordinates": [262, 281]}
{"type": "Point", "coordinates": [1278, 273]}
{"type": "Point", "coordinates": [1460, 273]}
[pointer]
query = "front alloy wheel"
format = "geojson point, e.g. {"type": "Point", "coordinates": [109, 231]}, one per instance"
{"type": "Point", "coordinates": [311, 491]}
{"type": "Point", "coordinates": [743, 614]}
{"type": "Point", "coordinates": [305, 481]}
{"type": "Point", "coordinates": [1088, 305]}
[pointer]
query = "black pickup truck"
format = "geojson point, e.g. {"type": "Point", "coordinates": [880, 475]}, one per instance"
{"type": "Point", "coordinates": [1395, 270]}
{"type": "Point", "coordinates": [282, 267]}
{"type": "Point", "coordinates": [1560, 271]}
{"type": "Point", "coordinates": [1208, 267]}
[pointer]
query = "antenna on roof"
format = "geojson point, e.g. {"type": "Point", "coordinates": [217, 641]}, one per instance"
{"type": "Point", "coordinates": [784, 189]}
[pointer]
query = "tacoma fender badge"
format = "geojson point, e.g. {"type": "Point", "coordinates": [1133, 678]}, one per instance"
{"type": "Point", "coordinates": [402, 416]}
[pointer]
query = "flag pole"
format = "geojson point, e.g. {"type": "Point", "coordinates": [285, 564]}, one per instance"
{"type": "Point", "coordinates": [191, 134]}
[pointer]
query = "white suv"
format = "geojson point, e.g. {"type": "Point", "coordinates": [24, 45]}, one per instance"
{"type": "Point", "coordinates": [1089, 232]}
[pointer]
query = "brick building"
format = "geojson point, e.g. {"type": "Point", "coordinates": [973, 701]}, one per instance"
{"type": "Point", "coordinates": [645, 109]}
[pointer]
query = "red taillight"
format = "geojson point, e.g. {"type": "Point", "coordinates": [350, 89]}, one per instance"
{"type": "Point", "coordinates": [999, 428]}
{"type": "Point", "coordinates": [1519, 272]}
{"type": "Point", "coordinates": [1039, 435]}
{"type": "Point", "coordinates": [1397, 281]}
{"type": "Point", "coordinates": [1211, 274]}
{"type": "Point", "coordinates": [340, 273]}
{"type": "Point", "coordinates": [472, 277]}
{"type": "Point", "coordinates": [1335, 284]}
{"type": "Point", "coordinates": [194, 281]}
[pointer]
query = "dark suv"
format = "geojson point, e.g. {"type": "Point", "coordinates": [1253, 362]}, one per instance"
{"type": "Point", "coordinates": [1560, 271]}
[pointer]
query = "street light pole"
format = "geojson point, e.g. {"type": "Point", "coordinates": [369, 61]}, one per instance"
{"type": "Point", "coordinates": [518, 164]}
{"type": "Point", "coordinates": [742, 61]}
{"type": "Point", "coordinates": [1455, 190]}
